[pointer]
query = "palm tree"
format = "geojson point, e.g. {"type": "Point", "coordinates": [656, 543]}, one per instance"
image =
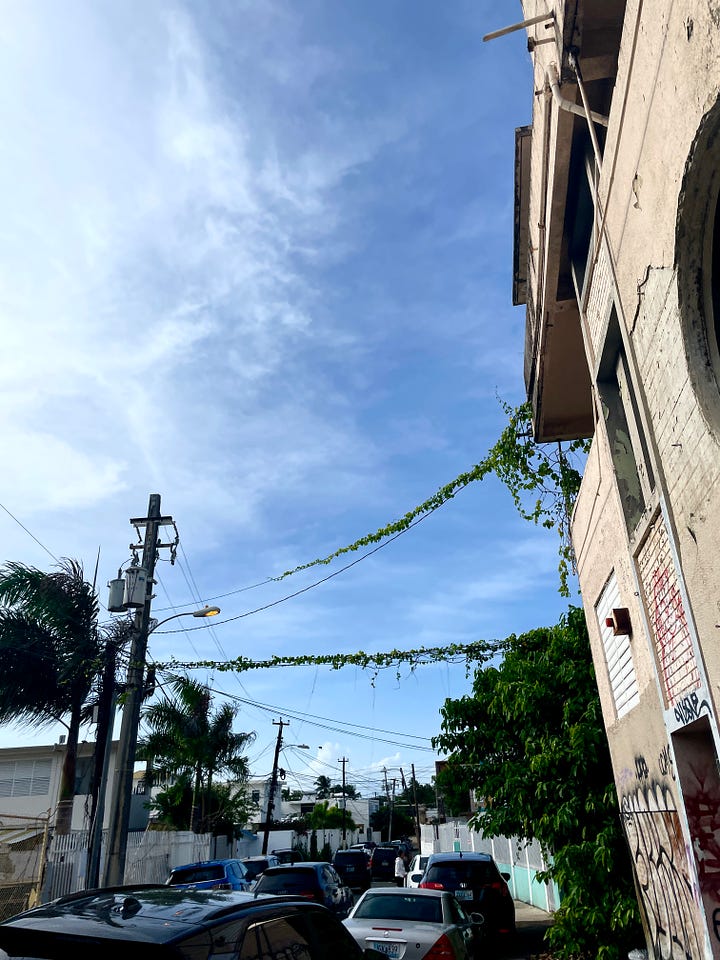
{"type": "Point", "coordinates": [50, 655]}
{"type": "Point", "coordinates": [323, 787]}
{"type": "Point", "coordinates": [187, 740]}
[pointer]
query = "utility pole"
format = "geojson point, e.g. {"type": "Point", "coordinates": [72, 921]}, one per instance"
{"type": "Point", "coordinates": [273, 781]}
{"type": "Point", "coordinates": [417, 811]}
{"type": "Point", "coordinates": [392, 804]}
{"type": "Point", "coordinates": [343, 761]}
{"type": "Point", "coordinates": [125, 760]}
{"type": "Point", "coordinates": [387, 796]}
{"type": "Point", "coordinates": [106, 715]}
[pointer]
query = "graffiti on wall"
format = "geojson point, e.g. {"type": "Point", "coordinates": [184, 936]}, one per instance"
{"type": "Point", "coordinates": [691, 707]}
{"type": "Point", "coordinates": [701, 792]}
{"type": "Point", "coordinates": [652, 827]}
{"type": "Point", "coordinates": [678, 666]}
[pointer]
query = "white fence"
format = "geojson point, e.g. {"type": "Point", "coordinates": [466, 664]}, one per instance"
{"type": "Point", "coordinates": [150, 856]}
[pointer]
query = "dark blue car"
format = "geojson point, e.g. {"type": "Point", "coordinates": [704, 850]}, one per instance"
{"type": "Point", "coordinates": [211, 875]}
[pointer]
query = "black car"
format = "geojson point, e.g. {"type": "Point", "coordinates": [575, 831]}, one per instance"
{"type": "Point", "coordinates": [254, 866]}
{"type": "Point", "coordinates": [165, 923]}
{"type": "Point", "coordinates": [354, 868]}
{"type": "Point", "coordinates": [382, 863]}
{"type": "Point", "coordinates": [477, 884]}
{"type": "Point", "coordinates": [289, 855]}
{"type": "Point", "coordinates": [316, 881]}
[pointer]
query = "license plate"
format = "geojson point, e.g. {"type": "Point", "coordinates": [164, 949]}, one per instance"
{"type": "Point", "coordinates": [463, 895]}
{"type": "Point", "coordinates": [349, 869]}
{"type": "Point", "coordinates": [389, 949]}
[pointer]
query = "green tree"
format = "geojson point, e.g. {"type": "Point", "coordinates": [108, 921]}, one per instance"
{"type": "Point", "coordinates": [531, 742]}
{"type": "Point", "coordinates": [225, 807]}
{"type": "Point", "coordinates": [403, 822]}
{"type": "Point", "coordinates": [287, 794]}
{"type": "Point", "coordinates": [349, 790]}
{"type": "Point", "coordinates": [324, 817]}
{"type": "Point", "coordinates": [323, 787]}
{"type": "Point", "coordinates": [50, 656]}
{"type": "Point", "coordinates": [186, 739]}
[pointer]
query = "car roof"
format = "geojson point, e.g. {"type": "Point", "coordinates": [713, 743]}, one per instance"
{"type": "Point", "coordinates": [156, 914]}
{"type": "Point", "coordinates": [300, 865]}
{"type": "Point", "coordinates": [405, 892]}
{"type": "Point", "coordinates": [205, 863]}
{"type": "Point", "coordinates": [260, 856]}
{"type": "Point", "coordinates": [457, 856]}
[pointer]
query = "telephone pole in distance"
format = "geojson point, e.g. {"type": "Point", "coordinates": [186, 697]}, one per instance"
{"type": "Point", "coordinates": [273, 781]}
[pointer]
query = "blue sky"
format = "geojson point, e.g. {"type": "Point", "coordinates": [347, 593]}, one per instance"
{"type": "Point", "coordinates": [256, 257]}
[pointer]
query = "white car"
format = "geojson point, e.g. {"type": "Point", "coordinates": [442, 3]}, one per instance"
{"type": "Point", "coordinates": [415, 871]}
{"type": "Point", "coordinates": [408, 924]}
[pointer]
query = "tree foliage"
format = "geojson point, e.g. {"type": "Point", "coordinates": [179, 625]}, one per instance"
{"type": "Point", "coordinates": [225, 807]}
{"type": "Point", "coordinates": [403, 821]}
{"type": "Point", "coordinates": [50, 656]}
{"type": "Point", "coordinates": [530, 741]}
{"type": "Point", "coordinates": [188, 740]}
{"type": "Point", "coordinates": [325, 817]}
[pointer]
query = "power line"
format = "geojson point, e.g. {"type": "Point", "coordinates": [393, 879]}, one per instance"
{"type": "Point", "coordinates": [31, 535]}
{"type": "Point", "coordinates": [325, 726]}
{"type": "Point", "coordinates": [310, 586]}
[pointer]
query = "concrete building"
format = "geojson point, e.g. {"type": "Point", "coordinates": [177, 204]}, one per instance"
{"type": "Point", "coordinates": [617, 259]}
{"type": "Point", "coordinates": [30, 780]}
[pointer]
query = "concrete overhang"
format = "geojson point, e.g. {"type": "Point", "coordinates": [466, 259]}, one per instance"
{"type": "Point", "coordinates": [557, 377]}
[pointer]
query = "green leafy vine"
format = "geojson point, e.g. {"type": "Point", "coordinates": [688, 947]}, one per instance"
{"type": "Point", "coordinates": [543, 480]}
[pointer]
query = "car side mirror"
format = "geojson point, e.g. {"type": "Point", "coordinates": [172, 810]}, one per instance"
{"type": "Point", "coordinates": [505, 876]}
{"type": "Point", "coordinates": [416, 877]}
{"type": "Point", "coordinates": [477, 918]}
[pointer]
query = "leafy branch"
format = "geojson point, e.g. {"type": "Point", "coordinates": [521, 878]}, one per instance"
{"type": "Point", "coordinates": [542, 473]}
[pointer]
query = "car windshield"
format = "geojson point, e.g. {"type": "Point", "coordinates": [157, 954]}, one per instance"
{"type": "Point", "coordinates": [397, 906]}
{"type": "Point", "coordinates": [255, 867]}
{"type": "Point", "coordinates": [450, 875]}
{"type": "Point", "coordinates": [197, 874]}
{"type": "Point", "coordinates": [287, 881]}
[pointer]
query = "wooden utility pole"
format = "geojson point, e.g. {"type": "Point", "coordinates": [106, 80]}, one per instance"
{"type": "Point", "coordinates": [392, 804]}
{"type": "Point", "coordinates": [125, 760]}
{"type": "Point", "coordinates": [417, 811]}
{"type": "Point", "coordinates": [343, 761]}
{"type": "Point", "coordinates": [273, 782]}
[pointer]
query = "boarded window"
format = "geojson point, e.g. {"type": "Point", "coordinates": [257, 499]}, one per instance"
{"type": "Point", "coordinates": [618, 655]}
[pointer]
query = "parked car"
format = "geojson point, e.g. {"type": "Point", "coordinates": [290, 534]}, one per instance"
{"type": "Point", "coordinates": [382, 863]}
{"type": "Point", "coordinates": [257, 865]}
{"type": "Point", "coordinates": [354, 868]}
{"type": "Point", "coordinates": [411, 924]}
{"type": "Point", "coordinates": [316, 881]}
{"type": "Point", "coordinates": [211, 875]}
{"type": "Point", "coordinates": [416, 870]}
{"type": "Point", "coordinates": [166, 923]}
{"type": "Point", "coordinates": [289, 855]}
{"type": "Point", "coordinates": [477, 883]}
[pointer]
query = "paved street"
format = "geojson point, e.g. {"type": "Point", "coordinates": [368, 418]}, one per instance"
{"type": "Point", "coordinates": [531, 926]}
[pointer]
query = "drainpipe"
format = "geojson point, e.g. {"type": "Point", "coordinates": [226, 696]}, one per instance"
{"type": "Point", "coordinates": [554, 80]}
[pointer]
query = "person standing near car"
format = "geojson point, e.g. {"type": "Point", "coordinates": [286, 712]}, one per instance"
{"type": "Point", "coordinates": [400, 870]}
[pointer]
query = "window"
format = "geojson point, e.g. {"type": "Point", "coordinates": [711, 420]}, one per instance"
{"type": "Point", "coordinates": [25, 778]}
{"type": "Point", "coordinates": [618, 654]}
{"type": "Point", "coordinates": [628, 447]}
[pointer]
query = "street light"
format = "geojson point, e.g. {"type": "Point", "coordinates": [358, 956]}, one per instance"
{"type": "Point", "coordinates": [125, 759]}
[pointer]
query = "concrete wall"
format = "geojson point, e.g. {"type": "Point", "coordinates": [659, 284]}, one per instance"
{"type": "Point", "coordinates": [648, 297]}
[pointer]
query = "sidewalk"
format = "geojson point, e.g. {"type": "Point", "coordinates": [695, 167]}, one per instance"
{"type": "Point", "coordinates": [531, 923]}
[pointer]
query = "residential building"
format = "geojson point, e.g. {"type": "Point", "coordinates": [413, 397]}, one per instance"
{"type": "Point", "coordinates": [30, 780]}
{"type": "Point", "coordinates": [617, 259]}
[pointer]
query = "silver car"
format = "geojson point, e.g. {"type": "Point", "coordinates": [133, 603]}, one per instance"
{"type": "Point", "coordinates": [405, 924]}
